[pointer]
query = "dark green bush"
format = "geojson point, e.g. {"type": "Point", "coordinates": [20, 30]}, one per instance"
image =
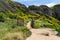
{"type": "Point", "coordinates": [2, 18]}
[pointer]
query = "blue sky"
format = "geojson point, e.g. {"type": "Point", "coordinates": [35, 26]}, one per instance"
{"type": "Point", "coordinates": [39, 2]}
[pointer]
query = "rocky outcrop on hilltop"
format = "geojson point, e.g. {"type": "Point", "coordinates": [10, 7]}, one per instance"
{"type": "Point", "coordinates": [16, 7]}
{"type": "Point", "coordinates": [57, 11]}
{"type": "Point", "coordinates": [43, 9]}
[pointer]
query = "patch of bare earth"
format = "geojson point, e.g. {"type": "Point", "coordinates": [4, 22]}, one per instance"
{"type": "Point", "coordinates": [42, 33]}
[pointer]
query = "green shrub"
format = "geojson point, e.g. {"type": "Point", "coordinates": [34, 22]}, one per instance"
{"type": "Point", "coordinates": [2, 17]}
{"type": "Point", "coordinates": [48, 25]}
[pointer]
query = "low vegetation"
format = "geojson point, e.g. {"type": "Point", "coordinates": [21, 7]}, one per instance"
{"type": "Point", "coordinates": [10, 20]}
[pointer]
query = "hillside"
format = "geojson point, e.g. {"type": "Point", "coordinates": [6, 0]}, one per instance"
{"type": "Point", "coordinates": [11, 6]}
{"type": "Point", "coordinates": [14, 17]}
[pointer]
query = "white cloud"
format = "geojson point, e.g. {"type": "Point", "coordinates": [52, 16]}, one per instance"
{"type": "Point", "coordinates": [33, 2]}
{"type": "Point", "coordinates": [51, 4]}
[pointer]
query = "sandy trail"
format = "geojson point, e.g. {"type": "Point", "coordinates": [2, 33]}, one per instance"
{"type": "Point", "coordinates": [42, 33]}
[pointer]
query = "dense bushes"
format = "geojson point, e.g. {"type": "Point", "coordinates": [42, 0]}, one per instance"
{"type": "Point", "coordinates": [5, 29]}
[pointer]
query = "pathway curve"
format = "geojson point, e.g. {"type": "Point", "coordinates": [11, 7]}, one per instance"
{"type": "Point", "coordinates": [42, 33]}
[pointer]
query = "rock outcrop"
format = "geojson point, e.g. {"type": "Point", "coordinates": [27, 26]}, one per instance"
{"type": "Point", "coordinates": [57, 11]}
{"type": "Point", "coordinates": [43, 9]}
{"type": "Point", "coordinates": [15, 7]}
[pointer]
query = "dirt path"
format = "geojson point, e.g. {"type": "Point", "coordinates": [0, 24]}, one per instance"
{"type": "Point", "coordinates": [42, 33]}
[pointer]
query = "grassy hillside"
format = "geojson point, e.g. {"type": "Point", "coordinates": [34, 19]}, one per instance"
{"type": "Point", "coordinates": [10, 12]}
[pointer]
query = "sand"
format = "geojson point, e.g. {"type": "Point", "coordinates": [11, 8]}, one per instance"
{"type": "Point", "coordinates": [42, 33]}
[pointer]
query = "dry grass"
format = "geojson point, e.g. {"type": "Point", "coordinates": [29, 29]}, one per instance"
{"type": "Point", "coordinates": [14, 36]}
